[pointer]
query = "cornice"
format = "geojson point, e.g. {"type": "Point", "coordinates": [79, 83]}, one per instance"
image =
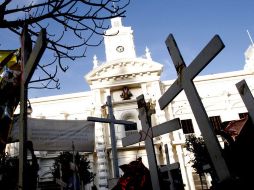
{"type": "Point", "coordinates": [124, 70]}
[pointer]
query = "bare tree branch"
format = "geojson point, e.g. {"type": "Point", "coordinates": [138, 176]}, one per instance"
{"type": "Point", "coordinates": [72, 26]}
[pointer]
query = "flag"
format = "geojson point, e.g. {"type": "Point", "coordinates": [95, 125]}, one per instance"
{"type": "Point", "coordinates": [9, 91]}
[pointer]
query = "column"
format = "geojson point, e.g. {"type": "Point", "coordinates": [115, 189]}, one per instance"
{"type": "Point", "coordinates": [100, 144]}
{"type": "Point", "coordinates": [161, 118]}
{"type": "Point", "coordinates": [179, 140]}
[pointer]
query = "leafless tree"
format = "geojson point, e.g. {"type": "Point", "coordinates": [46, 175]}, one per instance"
{"type": "Point", "coordinates": [72, 26]}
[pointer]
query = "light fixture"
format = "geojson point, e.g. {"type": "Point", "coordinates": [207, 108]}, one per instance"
{"type": "Point", "coordinates": [29, 107]}
{"type": "Point", "coordinates": [104, 110]}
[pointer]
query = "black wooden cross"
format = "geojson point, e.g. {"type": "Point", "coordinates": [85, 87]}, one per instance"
{"type": "Point", "coordinates": [185, 82]}
{"type": "Point", "coordinates": [247, 97]}
{"type": "Point", "coordinates": [112, 121]}
{"type": "Point", "coordinates": [147, 134]}
{"type": "Point", "coordinates": [30, 57]}
{"type": "Point", "coordinates": [168, 168]}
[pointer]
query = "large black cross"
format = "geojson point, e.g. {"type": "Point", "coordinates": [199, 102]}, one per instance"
{"type": "Point", "coordinates": [185, 82]}
{"type": "Point", "coordinates": [30, 57]}
{"type": "Point", "coordinates": [112, 121]}
{"type": "Point", "coordinates": [147, 134]}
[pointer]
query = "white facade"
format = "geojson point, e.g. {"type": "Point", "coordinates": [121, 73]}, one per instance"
{"type": "Point", "coordinates": [142, 76]}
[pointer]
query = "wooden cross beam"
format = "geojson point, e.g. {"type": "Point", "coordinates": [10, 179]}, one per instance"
{"type": "Point", "coordinates": [184, 82]}
{"type": "Point", "coordinates": [247, 97]}
{"type": "Point", "coordinates": [35, 56]}
{"type": "Point", "coordinates": [29, 60]}
{"type": "Point", "coordinates": [168, 168]}
{"type": "Point", "coordinates": [112, 121]}
{"type": "Point", "coordinates": [147, 134]}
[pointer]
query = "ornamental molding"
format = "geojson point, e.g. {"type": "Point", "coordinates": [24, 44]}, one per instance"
{"type": "Point", "coordinates": [124, 71]}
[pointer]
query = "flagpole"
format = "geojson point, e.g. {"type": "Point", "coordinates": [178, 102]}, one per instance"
{"type": "Point", "coordinates": [250, 37]}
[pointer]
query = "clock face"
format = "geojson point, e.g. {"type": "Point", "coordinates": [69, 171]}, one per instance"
{"type": "Point", "coordinates": [120, 48]}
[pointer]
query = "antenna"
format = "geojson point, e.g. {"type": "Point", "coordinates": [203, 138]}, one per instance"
{"type": "Point", "coordinates": [250, 37]}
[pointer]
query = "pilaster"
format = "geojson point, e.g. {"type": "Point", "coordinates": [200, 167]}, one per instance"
{"type": "Point", "coordinates": [100, 145]}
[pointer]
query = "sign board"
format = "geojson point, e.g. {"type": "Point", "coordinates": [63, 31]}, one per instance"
{"type": "Point", "coordinates": [58, 135]}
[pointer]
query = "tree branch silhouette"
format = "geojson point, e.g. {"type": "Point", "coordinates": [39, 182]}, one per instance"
{"type": "Point", "coordinates": [72, 26]}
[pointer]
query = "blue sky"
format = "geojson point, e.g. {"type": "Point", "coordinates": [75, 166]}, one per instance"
{"type": "Point", "coordinates": [193, 23]}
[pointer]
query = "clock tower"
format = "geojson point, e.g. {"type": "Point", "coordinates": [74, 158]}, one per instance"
{"type": "Point", "coordinates": [119, 42]}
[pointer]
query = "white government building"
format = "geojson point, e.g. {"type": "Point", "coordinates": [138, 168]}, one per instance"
{"type": "Point", "coordinates": [141, 75]}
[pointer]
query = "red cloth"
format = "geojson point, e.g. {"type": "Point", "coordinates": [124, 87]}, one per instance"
{"type": "Point", "coordinates": [235, 127]}
{"type": "Point", "coordinates": [136, 177]}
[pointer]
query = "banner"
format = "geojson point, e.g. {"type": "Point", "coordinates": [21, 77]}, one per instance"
{"type": "Point", "coordinates": [58, 135]}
